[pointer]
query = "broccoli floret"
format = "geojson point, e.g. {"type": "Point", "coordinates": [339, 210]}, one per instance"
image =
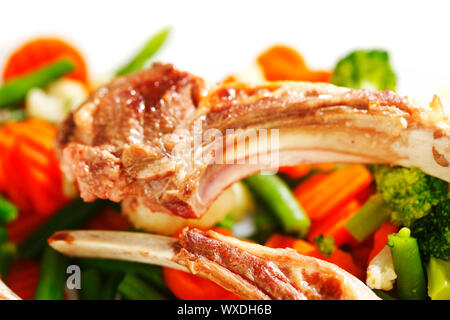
{"type": "Point", "coordinates": [325, 245]}
{"type": "Point", "coordinates": [409, 192]}
{"type": "Point", "coordinates": [433, 232]}
{"type": "Point", "coordinates": [365, 69]}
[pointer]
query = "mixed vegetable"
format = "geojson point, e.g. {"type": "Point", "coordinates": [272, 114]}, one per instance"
{"type": "Point", "coordinates": [388, 226]}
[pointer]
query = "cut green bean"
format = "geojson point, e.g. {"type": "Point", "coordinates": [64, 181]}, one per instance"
{"type": "Point", "coordinates": [8, 252]}
{"type": "Point", "coordinates": [369, 218]}
{"type": "Point", "coordinates": [72, 216]}
{"type": "Point", "coordinates": [8, 211]}
{"type": "Point", "coordinates": [279, 198]}
{"type": "Point", "coordinates": [3, 235]}
{"type": "Point", "coordinates": [141, 59]}
{"type": "Point", "coordinates": [150, 273]}
{"type": "Point", "coordinates": [134, 288]}
{"type": "Point", "coordinates": [407, 265]}
{"type": "Point", "coordinates": [91, 283]}
{"type": "Point", "coordinates": [383, 295]}
{"type": "Point", "coordinates": [109, 289]}
{"type": "Point", "coordinates": [15, 90]}
{"type": "Point", "coordinates": [438, 273]}
{"type": "Point", "coordinates": [52, 277]}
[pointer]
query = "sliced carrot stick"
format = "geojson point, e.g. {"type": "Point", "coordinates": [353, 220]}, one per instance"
{"type": "Point", "coordinates": [334, 224]}
{"type": "Point", "coordinates": [334, 190]}
{"type": "Point", "coordinates": [309, 183]}
{"type": "Point", "coordinates": [338, 257]}
{"type": "Point", "coordinates": [345, 261]}
{"type": "Point", "coordinates": [360, 252]}
{"type": "Point", "coordinates": [380, 238]}
{"type": "Point", "coordinates": [186, 286]}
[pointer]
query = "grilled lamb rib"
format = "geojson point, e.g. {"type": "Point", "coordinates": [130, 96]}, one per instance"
{"type": "Point", "coordinates": [249, 270]}
{"type": "Point", "coordinates": [137, 137]}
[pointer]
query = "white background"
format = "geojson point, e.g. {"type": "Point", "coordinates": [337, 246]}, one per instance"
{"type": "Point", "coordinates": [215, 38]}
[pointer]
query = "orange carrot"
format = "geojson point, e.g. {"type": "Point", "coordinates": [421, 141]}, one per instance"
{"type": "Point", "coordinates": [281, 241]}
{"type": "Point", "coordinates": [30, 174]}
{"type": "Point", "coordinates": [380, 238]}
{"type": "Point", "coordinates": [23, 278]}
{"type": "Point", "coordinates": [334, 224]}
{"type": "Point", "coordinates": [186, 286]}
{"type": "Point", "coordinates": [345, 261]}
{"type": "Point", "coordinates": [296, 171]}
{"type": "Point", "coordinates": [360, 252]}
{"type": "Point", "coordinates": [284, 63]}
{"type": "Point", "coordinates": [277, 240]}
{"type": "Point", "coordinates": [338, 257]}
{"type": "Point", "coordinates": [309, 183]}
{"type": "Point", "coordinates": [333, 191]}
{"type": "Point", "coordinates": [41, 51]}
{"type": "Point", "coordinates": [302, 170]}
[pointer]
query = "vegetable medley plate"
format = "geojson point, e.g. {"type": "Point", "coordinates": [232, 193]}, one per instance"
{"type": "Point", "coordinates": [385, 227]}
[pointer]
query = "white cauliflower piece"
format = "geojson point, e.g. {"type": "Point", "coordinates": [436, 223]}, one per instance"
{"type": "Point", "coordinates": [380, 272]}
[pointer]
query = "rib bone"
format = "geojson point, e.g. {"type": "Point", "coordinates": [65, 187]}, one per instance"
{"type": "Point", "coordinates": [137, 138]}
{"type": "Point", "coordinates": [249, 270]}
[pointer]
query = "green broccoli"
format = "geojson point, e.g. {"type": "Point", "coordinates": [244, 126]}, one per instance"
{"type": "Point", "coordinates": [325, 245]}
{"type": "Point", "coordinates": [433, 232]}
{"type": "Point", "coordinates": [409, 192]}
{"type": "Point", "coordinates": [365, 69]}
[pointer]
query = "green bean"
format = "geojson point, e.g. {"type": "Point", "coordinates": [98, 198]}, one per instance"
{"type": "Point", "coordinates": [134, 288]}
{"type": "Point", "coordinates": [8, 211]}
{"type": "Point", "coordinates": [150, 273]}
{"type": "Point", "coordinates": [279, 198]}
{"type": "Point", "coordinates": [140, 60]}
{"type": "Point", "coordinates": [383, 295]}
{"type": "Point", "coordinates": [369, 218]}
{"type": "Point", "coordinates": [109, 289]}
{"type": "Point", "coordinates": [15, 90]}
{"type": "Point", "coordinates": [3, 235]}
{"type": "Point", "coordinates": [52, 277]}
{"type": "Point", "coordinates": [407, 265]}
{"type": "Point", "coordinates": [91, 283]}
{"type": "Point", "coordinates": [8, 252]}
{"type": "Point", "coordinates": [72, 216]}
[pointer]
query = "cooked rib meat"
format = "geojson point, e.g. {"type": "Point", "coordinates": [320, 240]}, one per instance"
{"type": "Point", "coordinates": [256, 272]}
{"type": "Point", "coordinates": [137, 137]}
{"type": "Point", "coordinates": [249, 270]}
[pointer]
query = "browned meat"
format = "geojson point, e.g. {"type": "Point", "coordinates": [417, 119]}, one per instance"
{"type": "Point", "coordinates": [249, 270]}
{"type": "Point", "coordinates": [257, 272]}
{"type": "Point", "coordinates": [137, 138]}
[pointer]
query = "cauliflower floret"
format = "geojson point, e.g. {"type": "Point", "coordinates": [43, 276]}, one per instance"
{"type": "Point", "coordinates": [380, 272]}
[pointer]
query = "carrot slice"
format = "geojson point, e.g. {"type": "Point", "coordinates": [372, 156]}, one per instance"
{"type": "Point", "coordinates": [380, 238]}
{"type": "Point", "coordinates": [336, 189]}
{"type": "Point", "coordinates": [41, 51]}
{"type": "Point", "coordinates": [334, 225]}
{"type": "Point", "coordinates": [186, 286]}
{"type": "Point", "coordinates": [284, 63]}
